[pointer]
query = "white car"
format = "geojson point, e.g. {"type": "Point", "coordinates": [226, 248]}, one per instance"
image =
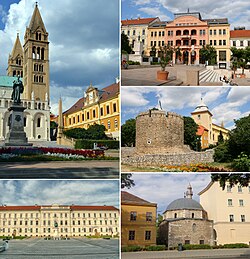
{"type": "Point", "coordinates": [4, 245]}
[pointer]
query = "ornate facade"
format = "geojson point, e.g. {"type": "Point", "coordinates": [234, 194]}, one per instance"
{"type": "Point", "coordinates": [32, 64]}
{"type": "Point", "coordinates": [59, 221]}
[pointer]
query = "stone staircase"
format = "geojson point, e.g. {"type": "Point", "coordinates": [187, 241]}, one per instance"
{"type": "Point", "coordinates": [208, 76]}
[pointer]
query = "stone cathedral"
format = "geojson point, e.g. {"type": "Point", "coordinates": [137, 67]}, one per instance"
{"type": "Point", "coordinates": [31, 62]}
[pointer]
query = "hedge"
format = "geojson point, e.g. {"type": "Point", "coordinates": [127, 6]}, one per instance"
{"type": "Point", "coordinates": [155, 248]}
{"type": "Point", "coordinates": [193, 247]}
{"type": "Point", "coordinates": [236, 245]}
{"type": "Point", "coordinates": [132, 248]}
{"type": "Point", "coordinates": [89, 144]}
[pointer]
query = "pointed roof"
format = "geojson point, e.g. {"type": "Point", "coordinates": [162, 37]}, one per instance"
{"type": "Point", "coordinates": [36, 20]}
{"type": "Point", "coordinates": [17, 48]}
{"type": "Point", "coordinates": [202, 107]}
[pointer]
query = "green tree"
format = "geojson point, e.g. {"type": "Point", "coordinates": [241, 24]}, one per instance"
{"type": "Point", "coordinates": [240, 58]}
{"type": "Point", "coordinates": [190, 129]}
{"type": "Point", "coordinates": [208, 53]}
{"type": "Point", "coordinates": [53, 125]}
{"type": "Point", "coordinates": [128, 133]}
{"type": "Point", "coordinates": [166, 55]}
{"type": "Point", "coordinates": [220, 138]}
{"type": "Point", "coordinates": [232, 179]}
{"type": "Point", "coordinates": [97, 131]}
{"type": "Point", "coordinates": [125, 46]}
{"type": "Point", "coordinates": [153, 51]}
{"type": "Point", "coordinates": [239, 140]}
{"type": "Point", "coordinates": [126, 181]}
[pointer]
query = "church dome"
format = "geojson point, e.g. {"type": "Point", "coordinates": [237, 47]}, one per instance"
{"type": "Point", "coordinates": [184, 203]}
{"type": "Point", "coordinates": [201, 107]}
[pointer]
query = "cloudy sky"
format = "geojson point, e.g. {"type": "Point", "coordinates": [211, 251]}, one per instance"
{"type": "Point", "coordinates": [84, 42]}
{"type": "Point", "coordinates": [237, 11]}
{"type": "Point", "coordinates": [226, 104]}
{"type": "Point", "coordinates": [167, 187]}
{"type": "Point", "coordinates": [87, 192]}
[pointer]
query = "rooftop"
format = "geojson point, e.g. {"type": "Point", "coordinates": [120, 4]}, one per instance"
{"type": "Point", "coordinates": [184, 203]}
{"type": "Point", "coordinates": [7, 81]}
{"type": "Point", "coordinates": [127, 197]}
{"type": "Point", "coordinates": [240, 34]}
{"type": "Point", "coordinates": [138, 21]}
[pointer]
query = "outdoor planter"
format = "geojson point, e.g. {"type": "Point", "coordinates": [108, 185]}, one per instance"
{"type": "Point", "coordinates": [162, 75]}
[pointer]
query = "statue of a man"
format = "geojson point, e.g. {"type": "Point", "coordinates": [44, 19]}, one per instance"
{"type": "Point", "coordinates": [17, 90]}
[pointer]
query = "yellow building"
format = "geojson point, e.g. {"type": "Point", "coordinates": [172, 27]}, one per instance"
{"type": "Point", "coordinates": [58, 220]}
{"type": "Point", "coordinates": [230, 211]}
{"type": "Point", "coordinates": [97, 107]}
{"type": "Point", "coordinates": [156, 37]}
{"type": "Point", "coordinates": [202, 116]}
{"type": "Point", "coordinates": [219, 38]}
{"type": "Point", "coordinates": [138, 221]}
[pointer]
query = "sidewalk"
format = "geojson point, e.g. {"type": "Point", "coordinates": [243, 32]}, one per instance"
{"type": "Point", "coordinates": [93, 169]}
{"type": "Point", "coordinates": [217, 253]}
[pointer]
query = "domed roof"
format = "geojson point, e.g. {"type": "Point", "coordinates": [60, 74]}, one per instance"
{"type": "Point", "coordinates": [202, 107]}
{"type": "Point", "coordinates": [184, 203]}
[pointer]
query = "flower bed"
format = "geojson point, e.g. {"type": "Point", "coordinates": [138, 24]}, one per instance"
{"type": "Point", "coordinates": [7, 153]}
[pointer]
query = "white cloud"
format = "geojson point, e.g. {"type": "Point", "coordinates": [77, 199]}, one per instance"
{"type": "Point", "coordinates": [155, 12]}
{"type": "Point", "coordinates": [134, 96]}
{"type": "Point", "coordinates": [62, 192]}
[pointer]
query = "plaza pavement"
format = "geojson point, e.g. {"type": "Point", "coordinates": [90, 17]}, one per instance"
{"type": "Point", "coordinates": [243, 253]}
{"type": "Point", "coordinates": [75, 248]}
{"type": "Point", "coordinates": [90, 169]}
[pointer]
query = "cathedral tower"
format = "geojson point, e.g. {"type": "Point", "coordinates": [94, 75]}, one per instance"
{"type": "Point", "coordinates": [15, 61]}
{"type": "Point", "coordinates": [36, 59]}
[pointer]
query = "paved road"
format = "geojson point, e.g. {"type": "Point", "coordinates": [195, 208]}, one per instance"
{"type": "Point", "coordinates": [66, 249]}
{"type": "Point", "coordinates": [93, 169]}
{"type": "Point", "coordinates": [243, 253]}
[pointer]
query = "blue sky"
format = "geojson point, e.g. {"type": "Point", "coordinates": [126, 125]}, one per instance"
{"type": "Point", "coordinates": [45, 192]}
{"type": "Point", "coordinates": [237, 11]}
{"type": "Point", "coordinates": [226, 104]}
{"type": "Point", "coordinates": [169, 187]}
{"type": "Point", "coordinates": [84, 42]}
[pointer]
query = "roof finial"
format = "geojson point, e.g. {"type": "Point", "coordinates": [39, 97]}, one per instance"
{"type": "Point", "coordinates": [189, 192]}
{"type": "Point", "coordinates": [188, 10]}
{"type": "Point", "coordinates": [36, 3]}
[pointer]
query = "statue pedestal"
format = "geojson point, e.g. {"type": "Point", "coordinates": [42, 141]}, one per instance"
{"type": "Point", "coordinates": [16, 135]}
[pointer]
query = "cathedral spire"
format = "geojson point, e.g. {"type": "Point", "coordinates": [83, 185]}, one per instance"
{"type": "Point", "coordinates": [36, 20]}
{"type": "Point", "coordinates": [17, 48]}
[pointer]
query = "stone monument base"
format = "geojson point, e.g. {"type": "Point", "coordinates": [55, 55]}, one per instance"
{"type": "Point", "coordinates": [17, 135]}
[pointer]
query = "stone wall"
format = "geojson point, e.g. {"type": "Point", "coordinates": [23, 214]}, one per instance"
{"type": "Point", "coordinates": [169, 159]}
{"type": "Point", "coordinates": [177, 231]}
{"type": "Point", "coordinates": [157, 131]}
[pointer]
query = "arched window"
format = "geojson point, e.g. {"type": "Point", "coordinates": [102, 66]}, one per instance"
{"type": "Point", "coordinates": [194, 227]}
{"type": "Point", "coordinates": [42, 53]}
{"type": "Point", "coordinates": [34, 52]}
{"type": "Point", "coordinates": [24, 121]}
{"type": "Point", "coordinates": [178, 33]}
{"type": "Point", "coordinates": [38, 122]}
{"type": "Point", "coordinates": [185, 32]}
{"type": "Point", "coordinates": [14, 72]}
{"type": "Point", "coordinates": [193, 32]}
{"type": "Point", "coordinates": [175, 215]}
{"type": "Point", "coordinates": [38, 54]}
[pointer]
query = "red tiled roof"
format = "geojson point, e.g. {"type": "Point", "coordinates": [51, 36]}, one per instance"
{"type": "Point", "coordinates": [106, 93]}
{"type": "Point", "coordinates": [138, 21]}
{"type": "Point", "coordinates": [201, 130]}
{"type": "Point", "coordinates": [73, 207]}
{"type": "Point", "coordinates": [78, 207]}
{"type": "Point", "coordinates": [240, 33]}
{"type": "Point", "coordinates": [130, 198]}
{"type": "Point", "coordinates": [34, 207]}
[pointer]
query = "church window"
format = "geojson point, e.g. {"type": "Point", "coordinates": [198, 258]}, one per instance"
{"type": "Point", "coordinates": [231, 218]}
{"type": "Point", "coordinates": [14, 72]}
{"type": "Point", "coordinates": [133, 215]}
{"type": "Point", "coordinates": [38, 56]}
{"type": "Point", "coordinates": [175, 215]}
{"type": "Point", "coordinates": [202, 242]}
{"type": "Point", "coordinates": [192, 215]}
{"type": "Point", "coordinates": [38, 122]}
{"type": "Point", "coordinates": [147, 235]}
{"type": "Point", "coordinates": [42, 54]}
{"type": "Point", "coordinates": [149, 216]}
{"type": "Point", "coordinates": [194, 227]}
{"type": "Point", "coordinates": [187, 242]}
{"type": "Point", "coordinates": [34, 52]}
{"type": "Point", "coordinates": [131, 235]}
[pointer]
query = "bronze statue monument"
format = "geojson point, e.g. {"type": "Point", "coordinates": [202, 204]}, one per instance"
{"type": "Point", "coordinates": [17, 90]}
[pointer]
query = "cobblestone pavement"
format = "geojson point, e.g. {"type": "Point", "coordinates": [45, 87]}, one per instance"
{"type": "Point", "coordinates": [93, 169]}
{"type": "Point", "coordinates": [74, 248]}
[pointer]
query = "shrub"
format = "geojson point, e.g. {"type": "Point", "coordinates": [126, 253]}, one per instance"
{"type": "Point", "coordinates": [242, 163]}
{"type": "Point", "coordinates": [131, 249]}
{"type": "Point", "coordinates": [155, 248]}
{"type": "Point", "coordinates": [193, 247]}
{"type": "Point", "coordinates": [89, 144]}
{"type": "Point", "coordinates": [222, 153]}
{"type": "Point", "coordinates": [237, 245]}
{"type": "Point", "coordinates": [130, 62]}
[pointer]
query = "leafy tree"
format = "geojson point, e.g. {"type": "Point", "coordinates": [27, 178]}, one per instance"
{"type": "Point", "coordinates": [128, 133]}
{"type": "Point", "coordinates": [239, 140]}
{"type": "Point", "coordinates": [97, 131]}
{"type": "Point", "coordinates": [53, 125]}
{"type": "Point", "coordinates": [222, 153]}
{"type": "Point", "coordinates": [166, 55]}
{"type": "Point", "coordinates": [232, 178]}
{"type": "Point", "coordinates": [220, 138]}
{"type": "Point", "coordinates": [153, 51]}
{"type": "Point", "coordinates": [240, 58]}
{"type": "Point", "coordinates": [125, 46]}
{"type": "Point", "coordinates": [190, 129]}
{"type": "Point", "coordinates": [208, 53]}
{"type": "Point", "coordinates": [126, 181]}
{"type": "Point", "coordinates": [159, 220]}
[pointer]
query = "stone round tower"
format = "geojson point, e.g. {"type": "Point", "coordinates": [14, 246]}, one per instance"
{"type": "Point", "coordinates": [158, 132]}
